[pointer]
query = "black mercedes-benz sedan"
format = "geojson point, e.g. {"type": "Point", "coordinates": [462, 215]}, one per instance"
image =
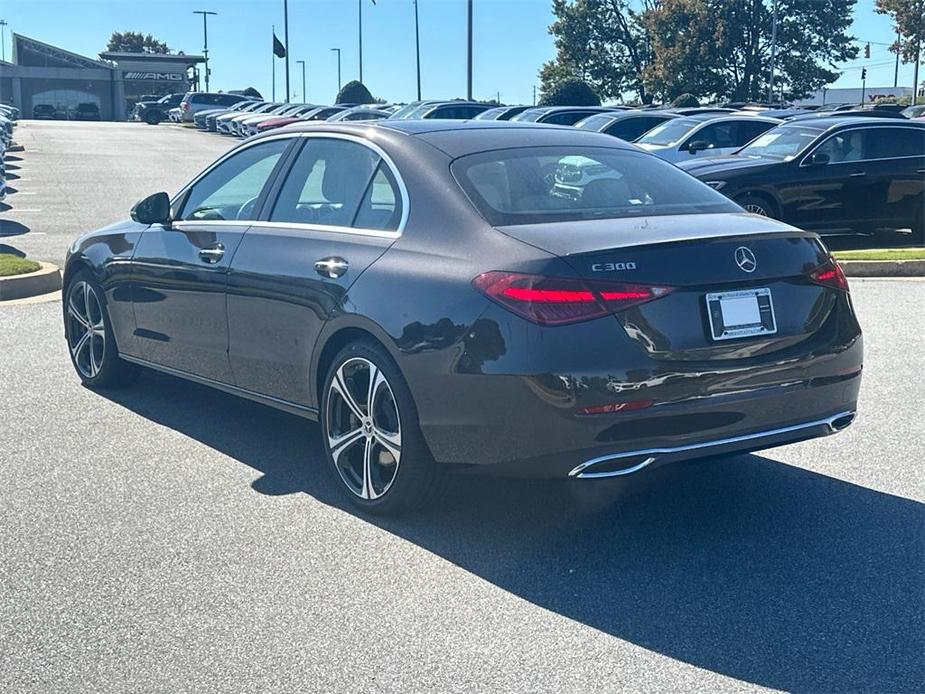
{"type": "Point", "coordinates": [826, 174]}
{"type": "Point", "coordinates": [533, 299]}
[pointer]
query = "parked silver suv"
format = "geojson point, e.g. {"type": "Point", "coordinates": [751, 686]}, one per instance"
{"type": "Point", "coordinates": [199, 101]}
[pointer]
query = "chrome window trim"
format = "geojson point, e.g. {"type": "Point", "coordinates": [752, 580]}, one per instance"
{"type": "Point", "coordinates": [380, 233]}
{"type": "Point", "coordinates": [861, 127]}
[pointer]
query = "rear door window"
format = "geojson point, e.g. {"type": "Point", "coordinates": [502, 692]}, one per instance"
{"type": "Point", "coordinates": [898, 142]}
{"type": "Point", "coordinates": [327, 184]}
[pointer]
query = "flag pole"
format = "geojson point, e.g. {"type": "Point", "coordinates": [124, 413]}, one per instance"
{"type": "Point", "coordinates": [286, 34]}
{"type": "Point", "coordinates": [360, 25]}
{"type": "Point", "coordinates": [273, 61]}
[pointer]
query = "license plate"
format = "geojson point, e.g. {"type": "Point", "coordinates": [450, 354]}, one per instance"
{"type": "Point", "coordinates": [742, 313]}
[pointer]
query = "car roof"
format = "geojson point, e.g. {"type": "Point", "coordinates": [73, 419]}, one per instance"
{"type": "Point", "coordinates": [833, 122]}
{"type": "Point", "coordinates": [457, 138]}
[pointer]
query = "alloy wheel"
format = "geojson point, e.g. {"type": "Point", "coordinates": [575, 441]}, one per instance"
{"type": "Point", "coordinates": [363, 428]}
{"type": "Point", "coordinates": [86, 331]}
{"type": "Point", "coordinates": [755, 208]}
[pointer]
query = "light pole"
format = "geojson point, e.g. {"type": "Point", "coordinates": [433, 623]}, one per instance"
{"type": "Point", "coordinates": [302, 63]}
{"type": "Point", "coordinates": [469, 61]}
{"type": "Point", "coordinates": [286, 37]}
{"type": "Point", "coordinates": [337, 50]}
{"type": "Point", "coordinates": [773, 53]}
{"type": "Point", "coordinates": [3, 25]}
{"type": "Point", "coordinates": [205, 39]}
{"type": "Point", "coordinates": [360, 28]}
{"type": "Point", "coordinates": [417, 46]}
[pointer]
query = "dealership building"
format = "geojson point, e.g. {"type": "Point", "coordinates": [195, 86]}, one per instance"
{"type": "Point", "coordinates": [43, 74]}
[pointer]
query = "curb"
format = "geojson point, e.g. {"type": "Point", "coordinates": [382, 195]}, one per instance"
{"type": "Point", "coordinates": [883, 268]}
{"type": "Point", "coordinates": [43, 281]}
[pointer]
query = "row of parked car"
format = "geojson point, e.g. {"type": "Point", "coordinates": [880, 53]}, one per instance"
{"type": "Point", "coordinates": [835, 168]}
{"type": "Point", "coordinates": [82, 111]}
{"type": "Point", "coordinates": [8, 117]}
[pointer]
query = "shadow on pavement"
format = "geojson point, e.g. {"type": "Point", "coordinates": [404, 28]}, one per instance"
{"type": "Point", "coordinates": [747, 567]}
{"type": "Point", "coordinates": [10, 228]}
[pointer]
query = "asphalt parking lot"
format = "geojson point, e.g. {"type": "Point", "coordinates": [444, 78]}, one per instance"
{"type": "Point", "coordinates": [76, 177]}
{"type": "Point", "coordinates": [173, 538]}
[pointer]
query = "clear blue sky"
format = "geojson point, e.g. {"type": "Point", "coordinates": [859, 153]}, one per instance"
{"type": "Point", "coordinates": [511, 41]}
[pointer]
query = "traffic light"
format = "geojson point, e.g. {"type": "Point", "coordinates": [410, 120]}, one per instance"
{"type": "Point", "coordinates": [867, 51]}
{"type": "Point", "coordinates": [863, 73]}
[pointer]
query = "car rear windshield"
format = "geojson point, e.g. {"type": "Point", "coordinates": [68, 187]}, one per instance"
{"type": "Point", "coordinates": [535, 185]}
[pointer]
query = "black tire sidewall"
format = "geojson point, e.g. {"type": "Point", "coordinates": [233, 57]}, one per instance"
{"type": "Point", "coordinates": [416, 474]}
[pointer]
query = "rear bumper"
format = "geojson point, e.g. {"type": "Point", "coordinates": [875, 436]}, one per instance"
{"type": "Point", "coordinates": [616, 465]}
{"type": "Point", "coordinates": [531, 423]}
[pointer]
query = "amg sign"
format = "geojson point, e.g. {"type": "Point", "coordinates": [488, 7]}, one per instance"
{"type": "Point", "coordinates": [158, 76]}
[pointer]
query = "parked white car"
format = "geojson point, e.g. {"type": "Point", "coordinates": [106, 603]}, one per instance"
{"type": "Point", "coordinates": [710, 135]}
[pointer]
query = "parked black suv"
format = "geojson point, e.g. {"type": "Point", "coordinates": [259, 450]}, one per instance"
{"type": "Point", "coordinates": [153, 112]}
{"type": "Point", "coordinates": [861, 174]}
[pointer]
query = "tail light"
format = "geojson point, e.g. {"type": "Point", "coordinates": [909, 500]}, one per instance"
{"type": "Point", "coordinates": [185, 106]}
{"type": "Point", "coordinates": [830, 274]}
{"type": "Point", "coordinates": [562, 300]}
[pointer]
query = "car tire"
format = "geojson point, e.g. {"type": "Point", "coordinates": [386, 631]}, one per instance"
{"type": "Point", "coordinates": [152, 119]}
{"type": "Point", "coordinates": [755, 204]}
{"type": "Point", "coordinates": [380, 461]}
{"type": "Point", "coordinates": [88, 331]}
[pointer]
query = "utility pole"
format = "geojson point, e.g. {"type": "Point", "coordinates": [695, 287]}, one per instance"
{"type": "Point", "coordinates": [417, 46]}
{"type": "Point", "coordinates": [337, 50]}
{"type": "Point", "coordinates": [205, 40]}
{"type": "Point", "coordinates": [302, 63]}
{"type": "Point", "coordinates": [773, 53]}
{"type": "Point", "coordinates": [286, 36]}
{"type": "Point", "coordinates": [534, 95]}
{"type": "Point", "coordinates": [896, 70]}
{"type": "Point", "coordinates": [469, 61]}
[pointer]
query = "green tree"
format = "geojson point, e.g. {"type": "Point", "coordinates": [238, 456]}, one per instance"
{"type": "Point", "coordinates": [709, 47]}
{"type": "Point", "coordinates": [812, 39]}
{"type": "Point", "coordinates": [354, 92]}
{"type": "Point", "coordinates": [684, 40]}
{"type": "Point", "coordinates": [570, 92]}
{"type": "Point", "coordinates": [909, 20]}
{"type": "Point", "coordinates": [135, 42]}
{"type": "Point", "coordinates": [602, 42]}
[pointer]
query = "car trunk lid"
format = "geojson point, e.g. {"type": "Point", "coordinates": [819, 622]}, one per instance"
{"type": "Point", "coordinates": [741, 285]}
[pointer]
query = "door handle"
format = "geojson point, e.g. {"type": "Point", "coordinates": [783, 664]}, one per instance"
{"type": "Point", "coordinates": [213, 254]}
{"type": "Point", "coordinates": [332, 268]}
{"type": "Point", "coordinates": [857, 174]}
{"type": "Point", "coordinates": [922, 171]}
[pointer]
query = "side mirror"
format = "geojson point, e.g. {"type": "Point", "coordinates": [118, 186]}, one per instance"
{"type": "Point", "coordinates": [154, 209]}
{"type": "Point", "coordinates": [698, 146]}
{"type": "Point", "coordinates": [819, 159]}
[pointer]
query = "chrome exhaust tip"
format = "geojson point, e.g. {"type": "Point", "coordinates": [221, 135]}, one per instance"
{"type": "Point", "coordinates": [841, 421]}
{"type": "Point", "coordinates": [620, 465]}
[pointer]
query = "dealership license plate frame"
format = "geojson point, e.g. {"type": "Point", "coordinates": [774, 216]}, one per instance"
{"type": "Point", "coordinates": [741, 304]}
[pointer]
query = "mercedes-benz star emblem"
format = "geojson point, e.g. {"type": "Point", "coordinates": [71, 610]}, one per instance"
{"type": "Point", "coordinates": [745, 259]}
